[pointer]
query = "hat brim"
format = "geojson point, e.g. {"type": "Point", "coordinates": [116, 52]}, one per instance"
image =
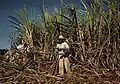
{"type": "Point", "coordinates": [61, 38]}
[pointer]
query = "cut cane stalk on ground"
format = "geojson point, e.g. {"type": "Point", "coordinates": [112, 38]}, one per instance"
{"type": "Point", "coordinates": [98, 46]}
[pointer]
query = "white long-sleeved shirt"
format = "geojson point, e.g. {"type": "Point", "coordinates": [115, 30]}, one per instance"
{"type": "Point", "coordinates": [62, 46]}
{"type": "Point", "coordinates": [21, 47]}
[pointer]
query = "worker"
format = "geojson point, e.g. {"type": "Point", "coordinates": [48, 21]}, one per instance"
{"type": "Point", "coordinates": [23, 47]}
{"type": "Point", "coordinates": [63, 52]}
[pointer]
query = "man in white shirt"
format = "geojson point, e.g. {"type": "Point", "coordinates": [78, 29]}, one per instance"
{"type": "Point", "coordinates": [23, 47]}
{"type": "Point", "coordinates": [63, 48]}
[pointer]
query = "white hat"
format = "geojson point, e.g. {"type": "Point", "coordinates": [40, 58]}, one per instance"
{"type": "Point", "coordinates": [61, 37]}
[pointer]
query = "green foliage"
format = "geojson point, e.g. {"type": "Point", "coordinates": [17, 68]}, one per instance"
{"type": "Point", "coordinates": [95, 29]}
{"type": "Point", "coordinates": [93, 34]}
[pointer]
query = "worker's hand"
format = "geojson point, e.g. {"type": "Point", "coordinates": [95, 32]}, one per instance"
{"type": "Point", "coordinates": [61, 49]}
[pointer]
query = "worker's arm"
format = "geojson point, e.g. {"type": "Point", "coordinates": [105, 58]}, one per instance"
{"type": "Point", "coordinates": [56, 50]}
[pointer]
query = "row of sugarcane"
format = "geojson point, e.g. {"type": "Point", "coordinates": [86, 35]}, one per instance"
{"type": "Point", "coordinates": [92, 32]}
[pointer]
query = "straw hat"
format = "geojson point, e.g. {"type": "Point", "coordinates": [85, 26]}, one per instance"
{"type": "Point", "coordinates": [61, 37]}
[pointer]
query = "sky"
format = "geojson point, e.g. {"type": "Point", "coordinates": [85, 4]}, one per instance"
{"type": "Point", "coordinates": [8, 7]}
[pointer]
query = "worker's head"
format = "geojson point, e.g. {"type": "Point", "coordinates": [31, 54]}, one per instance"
{"type": "Point", "coordinates": [22, 41]}
{"type": "Point", "coordinates": [25, 45]}
{"type": "Point", "coordinates": [61, 39]}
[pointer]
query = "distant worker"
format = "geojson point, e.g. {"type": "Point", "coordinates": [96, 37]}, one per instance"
{"type": "Point", "coordinates": [23, 47]}
{"type": "Point", "coordinates": [63, 52]}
